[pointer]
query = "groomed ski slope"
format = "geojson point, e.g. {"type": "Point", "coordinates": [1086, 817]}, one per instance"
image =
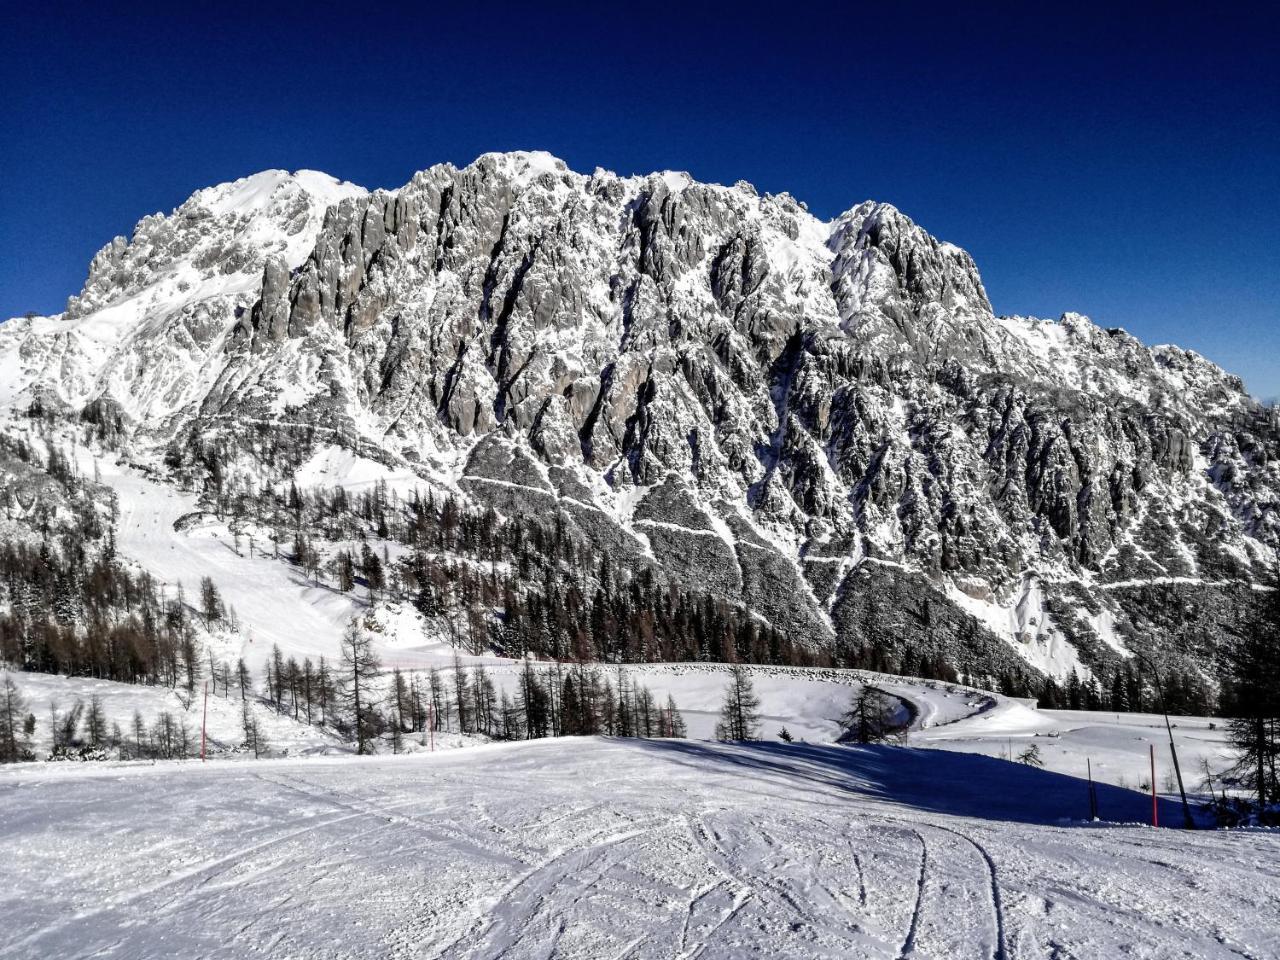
{"type": "Point", "coordinates": [607, 849]}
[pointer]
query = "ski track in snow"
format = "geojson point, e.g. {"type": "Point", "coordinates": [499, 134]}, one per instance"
{"type": "Point", "coordinates": [609, 849]}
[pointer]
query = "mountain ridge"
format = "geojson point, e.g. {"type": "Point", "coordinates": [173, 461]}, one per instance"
{"type": "Point", "coordinates": [823, 421]}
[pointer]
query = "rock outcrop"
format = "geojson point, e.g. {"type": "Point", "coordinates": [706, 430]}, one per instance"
{"type": "Point", "coordinates": [705, 381]}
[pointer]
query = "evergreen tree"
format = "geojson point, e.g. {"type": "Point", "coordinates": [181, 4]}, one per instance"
{"type": "Point", "coordinates": [1253, 703]}
{"type": "Point", "coordinates": [15, 732]}
{"type": "Point", "coordinates": [95, 722]}
{"type": "Point", "coordinates": [870, 719]}
{"type": "Point", "coordinates": [461, 695]}
{"type": "Point", "coordinates": [374, 577]}
{"type": "Point", "coordinates": [210, 602]}
{"type": "Point", "coordinates": [534, 703]}
{"type": "Point", "coordinates": [324, 689]}
{"type": "Point", "coordinates": [1031, 756]}
{"type": "Point", "coordinates": [346, 572]}
{"type": "Point", "coordinates": [359, 667]}
{"type": "Point", "coordinates": [276, 677]}
{"type": "Point", "coordinates": [673, 721]}
{"type": "Point", "coordinates": [254, 738]}
{"type": "Point", "coordinates": [139, 735]}
{"type": "Point", "coordinates": [401, 703]}
{"type": "Point", "coordinates": [740, 715]}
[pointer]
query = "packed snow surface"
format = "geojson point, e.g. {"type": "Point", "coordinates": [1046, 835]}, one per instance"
{"type": "Point", "coordinates": [598, 848]}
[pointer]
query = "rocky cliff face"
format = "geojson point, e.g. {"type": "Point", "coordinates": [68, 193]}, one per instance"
{"type": "Point", "coordinates": [823, 421]}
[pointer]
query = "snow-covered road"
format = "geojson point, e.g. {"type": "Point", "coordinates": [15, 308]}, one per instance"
{"type": "Point", "coordinates": [598, 848]}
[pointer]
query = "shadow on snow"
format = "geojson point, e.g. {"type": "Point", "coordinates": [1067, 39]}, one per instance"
{"type": "Point", "coordinates": [938, 781]}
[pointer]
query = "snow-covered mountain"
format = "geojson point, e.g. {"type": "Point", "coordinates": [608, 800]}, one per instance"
{"type": "Point", "coordinates": [823, 422]}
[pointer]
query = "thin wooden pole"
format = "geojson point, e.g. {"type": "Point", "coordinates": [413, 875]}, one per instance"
{"type": "Point", "coordinates": [1155, 809]}
{"type": "Point", "coordinates": [1093, 793]}
{"type": "Point", "coordinates": [204, 723]}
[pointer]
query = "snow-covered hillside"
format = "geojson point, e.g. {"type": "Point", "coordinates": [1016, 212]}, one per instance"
{"type": "Point", "coordinates": [593, 848]}
{"type": "Point", "coordinates": [122, 701]}
{"type": "Point", "coordinates": [276, 603]}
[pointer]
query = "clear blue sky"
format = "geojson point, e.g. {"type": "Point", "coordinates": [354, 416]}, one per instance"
{"type": "Point", "coordinates": [1125, 165]}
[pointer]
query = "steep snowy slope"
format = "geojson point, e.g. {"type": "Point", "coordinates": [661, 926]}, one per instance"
{"type": "Point", "coordinates": [823, 422]}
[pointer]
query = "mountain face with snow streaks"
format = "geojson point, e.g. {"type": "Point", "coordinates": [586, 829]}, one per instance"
{"type": "Point", "coordinates": [824, 422]}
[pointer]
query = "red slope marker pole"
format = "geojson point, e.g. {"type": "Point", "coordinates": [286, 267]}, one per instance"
{"type": "Point", "coordinates": [1155, 810]}
{"type": "Point", "coordinates": [431, 724]}
{"type": "Point", "coordinates": [204, 723]}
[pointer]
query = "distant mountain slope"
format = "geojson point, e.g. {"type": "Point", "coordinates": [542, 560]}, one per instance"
{"type": "Point", "coordinates": [822, 422]}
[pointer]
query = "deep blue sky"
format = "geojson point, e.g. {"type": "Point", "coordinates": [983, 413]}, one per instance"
{"type": "Point", "coordinates": [1123, 165]}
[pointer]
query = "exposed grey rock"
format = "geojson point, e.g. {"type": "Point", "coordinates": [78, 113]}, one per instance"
{"type": "Point", "coordinates": [719, 385]}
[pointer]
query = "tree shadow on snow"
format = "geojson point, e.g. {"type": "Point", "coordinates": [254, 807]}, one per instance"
{"type": "Point", "coordinates": [938, 781]}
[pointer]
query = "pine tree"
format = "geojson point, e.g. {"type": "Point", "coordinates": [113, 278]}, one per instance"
{"type": "Point", "coordinates": [740, 715]}
{"type": "Point", "coordinates": [67, 726]}
{"type": "Point", "coordinates": [275, 677]}
{"type": "Point", "coordinates": [1253, 702]}
{"type": "Point", "coordinates": [435, 698]}
{"type": "Point", "coordinates": [646, 713]}
{"type": "Point", "coordinates": [400, 700]}
{"type": "Point", "coordinates": [674, 721]}
{"type": "Point", "coordinates": [359, 667]}
{"type": "Point", "coordinates": [397, 734]}
{"type": "Point", "coordinates": [534, 703]}
{"type": "Point", "coordinates": [139, 735]}
{"type": "Point", "coordinates": [346, 572]}
{"type": "Point", "coordinates": [870, 719]}
{"type": "Point", "coordinates": [308, 695]}
{"type": "Point", "coordinates": [484, 697]}
{"type": "Point", "coordinates": [95, 722]}
{"type": "Point", "coordinates": [1031, 756]}
{"type": "Point", "coordinates": [254, 738]}
{"type": "Point", "coordinates": [15, 739]}
{"type": "Point", "coordinates": [324, 689]}
{"type": "Point", "coordinates": [461, 695]}
{"type": "Point", "coordinates": [571, 708]}
{"type": "Point", "coordinates": [210, 602]}
{"type": "Point", "coordinates": [374, 577]}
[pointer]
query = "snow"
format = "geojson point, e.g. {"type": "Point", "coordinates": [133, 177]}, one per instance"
{"type": "Point", "coordinates": [1025, 624]}
{"type": "Point", "coordinates": [170, 277]}
{"type": "Point", "coordinates": [254, 193]}
{"type": "Point", "coordinates": [273, 600]}
{"type": "Point", "coordinates": [1116, 745]}
{"type": "Point", "coordinates": [676, 180]}
{"type": "Point", "coordinates": [526, 166]}
{"type": "Point", "coordinates": [808, 702]}
{"type": "Point", "coordinates": [121, 700]}
{"type": "Point", "coordinates": [333, 466]}
{"type": "Point", "coordinates": [598, 848]}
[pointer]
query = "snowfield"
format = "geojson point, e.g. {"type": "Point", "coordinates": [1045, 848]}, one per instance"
{"type": "Point", "coordinates": [595, 848]}
{"type": "Point", "coordinates": [602, 848]}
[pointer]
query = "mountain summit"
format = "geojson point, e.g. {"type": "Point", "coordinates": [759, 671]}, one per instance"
{"type": "Point", "coordinates": [822, 423]}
